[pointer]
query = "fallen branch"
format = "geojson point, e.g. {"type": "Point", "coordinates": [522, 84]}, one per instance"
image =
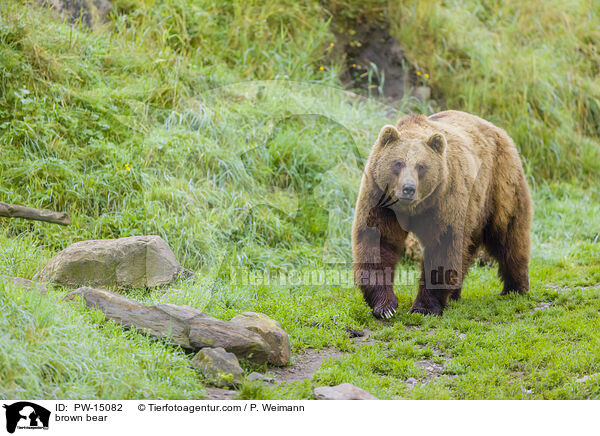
{"type": "Point", "coordinates": [28, 213]}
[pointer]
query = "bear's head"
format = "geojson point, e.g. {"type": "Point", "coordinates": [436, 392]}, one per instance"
{"type": "Point", "coordinates": [409, 164]}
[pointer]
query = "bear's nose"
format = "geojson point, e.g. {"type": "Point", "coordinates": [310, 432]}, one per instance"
{"type": "Point", "coordinates": [408, 190]}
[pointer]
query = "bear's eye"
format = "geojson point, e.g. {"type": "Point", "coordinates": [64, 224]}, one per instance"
{"type": "Point", "coordinates": [421, 168]}
{"type": "Point", "coordinates": [398, 165]}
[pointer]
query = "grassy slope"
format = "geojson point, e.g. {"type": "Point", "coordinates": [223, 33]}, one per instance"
{"type": "Point", "coordinates": [151, 126]}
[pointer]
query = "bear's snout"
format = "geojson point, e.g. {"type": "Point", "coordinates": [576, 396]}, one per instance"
{"type": "Point", "coordinates": [408, 190]}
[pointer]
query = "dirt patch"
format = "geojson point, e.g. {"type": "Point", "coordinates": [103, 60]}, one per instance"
{"type": "Point", "coordinates": [375, 63]}
{"type": "Point", "coordinates": [365, 339]}
{"type": "Point", "coordinates": [303, 365]}
{"type": "Point", "coordinates": [91, 13]}
{"type": "Point", "coordinates": [219, 394]}
{"type": "Point", "coordinates": [561, 288]}
{"type": "Point", "coordinates": [432, 369]}
{"type": "Point", "coordinates": [306, 364]}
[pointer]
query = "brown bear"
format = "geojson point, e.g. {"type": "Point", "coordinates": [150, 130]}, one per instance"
{"type": "Point", "coordinates": [456, 182]}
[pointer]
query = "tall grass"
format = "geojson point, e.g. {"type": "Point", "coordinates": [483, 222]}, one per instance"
{"type": "Point", "coordinates": [134, 132]}
{"type": "Point", "coordinates": [52, 351]}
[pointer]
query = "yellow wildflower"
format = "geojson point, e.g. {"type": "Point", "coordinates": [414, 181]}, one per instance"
{"type": "Point", "coordinates": [127, 167]}
{"type": "Point", "coordinates": [426, 76]}
{"type": "Point", "coordinates": [418, 73]}
{"type": "Point", "coordinates": [331, 44]}
{"type": "Point", "coordinates": [321, 68]}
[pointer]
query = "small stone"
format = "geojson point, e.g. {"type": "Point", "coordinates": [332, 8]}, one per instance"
{"type": "Point", "coordinates": [218, 366]}
{"type": "Point", "coordinates": [422, 93]}
{"type": "Point", "coordinates": [411, 380]}
{"type": "Point", "coordinates": [28, 285]}
{"type": "Point", "coordinates": [271, 332]}
{"type": "Point", "coordinates": [261, 377]}
{"type": "Point", "coordinates": [587, 377]}
{"type": "Point", "coordinates": [542, 306]}
{"type": "Point", "coordinates": [345, 391]}
{"type": "Point", "coordinates": [353, 333]}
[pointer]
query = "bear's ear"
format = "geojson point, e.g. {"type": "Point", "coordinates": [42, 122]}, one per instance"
{"type": "Point", "coordinates": [387, 135]}
{"type": "Point", "coordinates": [437, 142]}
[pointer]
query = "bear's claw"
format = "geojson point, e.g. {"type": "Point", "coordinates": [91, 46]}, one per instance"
{"type": "Point", "coordinates": [385, 310]}
{"type": "Point", "coordinates": [389, 313]}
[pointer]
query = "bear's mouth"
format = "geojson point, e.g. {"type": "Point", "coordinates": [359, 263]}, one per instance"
{"type": "Point", "coordinates": [405, 199]}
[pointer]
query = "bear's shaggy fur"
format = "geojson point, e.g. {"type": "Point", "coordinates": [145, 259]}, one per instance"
{"type": "Point", "coordinates": [456, 182]}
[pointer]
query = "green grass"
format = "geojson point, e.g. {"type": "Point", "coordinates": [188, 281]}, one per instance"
{"type": "Point", "coordinates": [50, 350]}
{"type": "Point", "coordinates": [215, 127]}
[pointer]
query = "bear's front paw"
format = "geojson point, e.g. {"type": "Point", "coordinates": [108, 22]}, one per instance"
{"type": "Point", "coordinates": [386, 308]}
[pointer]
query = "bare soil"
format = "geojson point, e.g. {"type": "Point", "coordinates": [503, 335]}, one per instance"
{"type": "Point", "coordinates": [369, 45]}
{"type": "Point", "coordinates": [303, 365]}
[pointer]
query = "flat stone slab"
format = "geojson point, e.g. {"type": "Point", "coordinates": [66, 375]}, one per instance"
{"type": "Point", "coordinates": [132, 262]}
{"type": "Point", "coordinates": [182, 325]}
{"type": "Point", "coordinates": [345, 391]}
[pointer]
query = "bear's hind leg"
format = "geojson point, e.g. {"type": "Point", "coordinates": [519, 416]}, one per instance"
{"type": "Point", "coordinates": [510, 248]}
{"type": "Point", "coordinates": [467, 261]}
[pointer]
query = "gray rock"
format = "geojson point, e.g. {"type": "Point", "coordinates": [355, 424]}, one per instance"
{"type": "Point", "coordinates": [271, 332]}
{"type": "Point", "coordinates": [182, 325]}
{"type": "Point", "coordinates": [218, 366]}
{"type": "Point", "coordinates": [411, 380]}
{"type": "Point", "coordinates": [133, 262]}
{"type": "Point", "coordinates": [28, 285]}
{"type": "Point", "coordinates": [345, 391]}
{"type": "Point", "coordinates": [254, 376]}
{"type": "Point", "coordinates": [260, 377]}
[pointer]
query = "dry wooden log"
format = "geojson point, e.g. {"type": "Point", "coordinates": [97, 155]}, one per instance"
{"type": "Point", "coordinates": [28, 213]}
